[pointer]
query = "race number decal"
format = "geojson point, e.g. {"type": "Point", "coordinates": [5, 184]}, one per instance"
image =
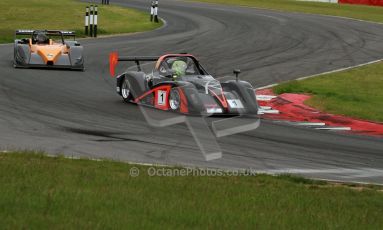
{"type": "Point", "coordinates": [161, 97]}
{"type": "Point", "coordinates": [235, 104]}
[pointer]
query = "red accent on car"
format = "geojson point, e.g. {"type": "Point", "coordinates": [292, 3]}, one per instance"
{"type": "Point", "coordinates": [221, 99]}
{"type": "Point", "coordinates": [138, 99]}
{"type": "Point", "coordinates": [165, 105]}
{"type": "Point", "coordinates": [184, 102]}
{"type": "Point", "coordinates": [113, 60]}
{"type": "Point", "coordinates": [161, 100]}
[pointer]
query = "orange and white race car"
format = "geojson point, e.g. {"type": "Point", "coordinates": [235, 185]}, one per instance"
{"type": "Point", "coordinates": [47, 48]}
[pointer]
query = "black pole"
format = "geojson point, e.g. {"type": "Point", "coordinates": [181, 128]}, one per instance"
{"type": "Point", "coordinates": [156, 11]}
{"type": "Point", "coordinates": [95, 21]}
{"type": "Point", "coordinates": [151, 11]}
{"type": "Point", "coordinates": [86, 20]}
{"type": "Point", "coordinates": [91, 21]}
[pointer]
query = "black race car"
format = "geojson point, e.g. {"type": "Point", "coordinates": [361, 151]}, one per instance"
{"type": "Point", "coordinates": [178, 82]}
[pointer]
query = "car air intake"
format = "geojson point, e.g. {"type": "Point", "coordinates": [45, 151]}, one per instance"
{"type": "Point", "coordinates": [49, 62]}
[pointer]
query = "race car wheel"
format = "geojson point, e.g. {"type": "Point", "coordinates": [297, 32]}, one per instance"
{"type": "Point", "coordinates": [174, 99]}
{"type": "Point", "coordinates": [125, 91]}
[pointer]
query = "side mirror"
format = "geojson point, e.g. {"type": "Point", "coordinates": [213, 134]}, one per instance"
{"type": "Point", "coordinates": [236, 72]}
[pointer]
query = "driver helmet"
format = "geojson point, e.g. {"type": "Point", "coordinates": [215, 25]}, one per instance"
{"type": "Point", "coordinates": [42, 38]}
{"type": "Point", "coordinates": [179, 68]}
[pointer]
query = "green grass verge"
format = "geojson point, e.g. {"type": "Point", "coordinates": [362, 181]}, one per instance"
{"type": "Point", "coordinates": [67, 15]}
{"type": "Point", "coordinates": [357, 92]}
{"type": "Point", "coordinates": [38, 192]}
{"type": "Point", "coordinates": [368, 13]}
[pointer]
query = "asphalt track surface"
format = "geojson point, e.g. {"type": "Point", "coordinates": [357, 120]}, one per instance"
{"type": "Point", "coordinates": [79, 113]}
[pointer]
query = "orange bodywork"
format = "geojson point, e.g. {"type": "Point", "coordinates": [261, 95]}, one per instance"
{"type": "Point", "coordinates": [49, 52]}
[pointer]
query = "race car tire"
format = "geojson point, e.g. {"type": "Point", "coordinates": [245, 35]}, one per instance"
{"type": "Point", "coordinates": [126, 92]}
{"type": "Point", "coordinates": [174, 99]}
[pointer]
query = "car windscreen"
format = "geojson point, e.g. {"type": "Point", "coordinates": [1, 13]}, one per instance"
{"type": "Point", "coordinates": [182, 65]}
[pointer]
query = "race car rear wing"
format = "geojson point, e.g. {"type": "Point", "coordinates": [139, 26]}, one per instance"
{"type": "Point", "coordinates": [114, 59]}
{"type": "Point", "coordinates": [138, 59]}
{"type": "Point", "coordinates": [48, 32]}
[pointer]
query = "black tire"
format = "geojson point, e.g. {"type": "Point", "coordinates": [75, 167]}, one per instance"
{"type": "Point", "coordinates": [126, 91]}
{"type": "Point", "coordinates": [174, 100]}
{"type": "Point", "coordinates": [14, 57]}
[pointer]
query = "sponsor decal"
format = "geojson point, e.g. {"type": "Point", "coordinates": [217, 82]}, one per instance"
{"type": "Point", "coordinates": [235, 104]}
{"type": "Point", "coordinates": [161, 99]}
{"type": "Point", "coordinates": [214, 110]}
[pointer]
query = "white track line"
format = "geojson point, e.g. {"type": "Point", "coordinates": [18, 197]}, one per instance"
{"type": "Point", "coordinates": [340, 70]}
{"type": "Point", "coordinates": [297, 123]}
{"type": "Point", "coordinates": [271, 111]}
{"type": "Point", "coordinates": [335, 128]}
{"type": "Point", "coordinates": [265, 97]}
{"type": "Point", "coordinates": [328, 72]}
{"type": "Point", "coordinates": [268, 86]}
{"type": "Point", "coordinates": [310, 123]}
